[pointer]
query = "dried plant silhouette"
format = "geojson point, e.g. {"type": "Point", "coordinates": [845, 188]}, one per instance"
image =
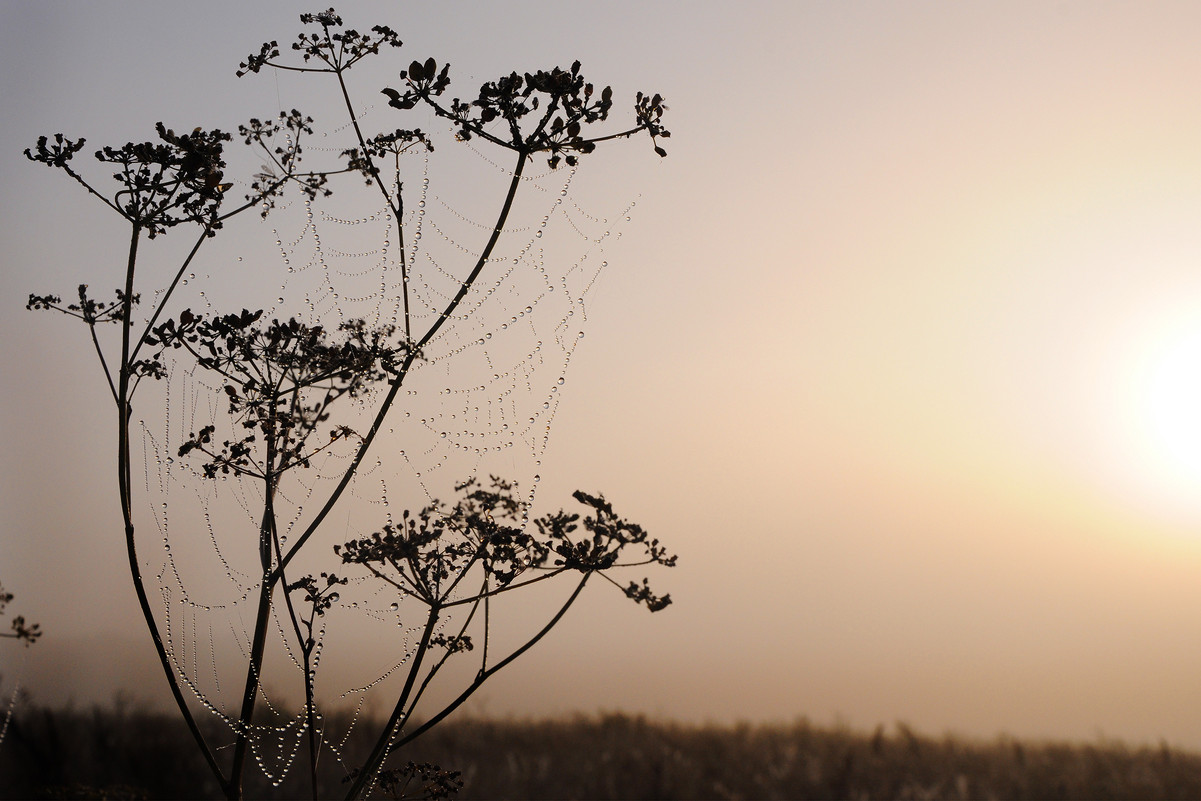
{"type": "Point", "coordinates": [23, 632]}
{"type": "Point", "coordinates": [299, 394]}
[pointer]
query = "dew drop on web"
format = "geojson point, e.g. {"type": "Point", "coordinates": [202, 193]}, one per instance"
{"type": "Point", "coordinates": [530, 289]}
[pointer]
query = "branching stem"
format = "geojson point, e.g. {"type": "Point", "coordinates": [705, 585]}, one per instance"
{"type": "Point", "coordinates": [403, 372]}
{"type": "Point", "coordinates": [124, 487]}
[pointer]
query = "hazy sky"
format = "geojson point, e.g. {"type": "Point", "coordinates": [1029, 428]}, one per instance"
{"type": "Point", "coordinates": [900, 351]}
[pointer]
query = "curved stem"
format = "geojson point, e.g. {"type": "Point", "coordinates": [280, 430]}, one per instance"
{"type": "Point", "coordinates": [382, 745]}
{"type": "Point", "coordinates": [395, 206]}
{"type": "Point", "coordinates": [305, 643]}
{"type": "Point", "coordinates": [484, 675]}
{"type": "Point", "coordinates": [125, 491]}
{"type": "Point", "coordinates": [394, 389]}
{"type": "Point", "coordinates": [262, 617]}
{"type": "Point", "coordinates": [311, 717]}
{"type": "Point", "coordinates": [490, 593]}
{"type": "Point", "coordinates": [112, 388]}
{"type": "Point", "coordinates": [158, 310]}
{"type": "Point", "coordinates": [429, 677]}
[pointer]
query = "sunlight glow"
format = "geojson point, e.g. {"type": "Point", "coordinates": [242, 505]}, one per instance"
{"type": "Point", "coordinates": [1167, 412]}
{"type": "Point", "coordinates": [1172, 404]}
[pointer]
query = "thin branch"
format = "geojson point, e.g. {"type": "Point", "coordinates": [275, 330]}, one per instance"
{"type": "Point", "coordinates": [396, 206]}
{"type": "Point", "coordinates": [429, 677]}
{"type": "Point", "coordinates": [507, 587]}
{"type": "Point", "coordinates": [104, 364]}
{"type": "Point", "coordinates": [162, 301]}
{"type": "Point", "coordinates": [124, 485]}
{"type": "Point", "coordinates": [484, 675]}
{"type": "Point", "coordinates": [394, 389]}
{"type": "Point", "coordinates": [383, 743]}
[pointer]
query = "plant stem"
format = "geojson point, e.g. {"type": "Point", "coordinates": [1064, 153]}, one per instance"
{"type": "Point", "coordinates": [311, 716]}
{"type": "Point", "coordinates": [158, 310]}
{"type": "Point", "coordinates": [262, 619]}
{"type": "Point", "coordinates": [484, 675]}
{"type": "Point", "coordinates": [124, 488]}
{"type": "Point", "coordinates": [382, 745]}
{"type": "Point", "coordinates": [403, 372]}
{"type": "Point", "coordinates": [395, 206]}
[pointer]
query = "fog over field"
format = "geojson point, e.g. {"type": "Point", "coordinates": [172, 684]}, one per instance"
{"type": "Point", "coordinates": [899, 350]}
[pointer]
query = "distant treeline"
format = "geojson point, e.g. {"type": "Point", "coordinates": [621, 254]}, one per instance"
{"type": "Point", "coordinates": [128, 754]}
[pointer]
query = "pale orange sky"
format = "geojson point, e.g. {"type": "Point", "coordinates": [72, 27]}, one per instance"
{"type": "Point", "coordinates": [873, 354]}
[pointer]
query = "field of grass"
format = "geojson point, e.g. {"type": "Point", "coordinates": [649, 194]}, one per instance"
{"type": "Point", "coordinates": [106, 753]}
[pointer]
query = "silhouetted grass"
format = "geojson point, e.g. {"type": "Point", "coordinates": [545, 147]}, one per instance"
{"type": "Point", "coordinates": [118, 753]}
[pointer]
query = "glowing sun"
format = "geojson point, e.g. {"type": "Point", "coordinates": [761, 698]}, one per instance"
{"type": "Point", "coordinates": [1172, 404]}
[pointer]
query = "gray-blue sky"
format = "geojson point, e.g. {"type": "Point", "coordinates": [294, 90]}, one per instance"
{"type": "Point", "coordinates": [869, 355]}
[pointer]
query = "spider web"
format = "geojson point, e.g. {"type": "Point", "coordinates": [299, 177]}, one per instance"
{"type": "Point", "coordinates": [481, 400]}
